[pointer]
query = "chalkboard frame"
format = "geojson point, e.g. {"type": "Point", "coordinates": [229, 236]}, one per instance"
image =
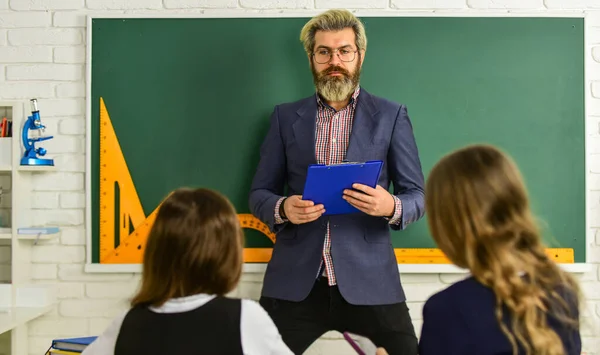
{"type": "Point", "coordinates": [403, 268]}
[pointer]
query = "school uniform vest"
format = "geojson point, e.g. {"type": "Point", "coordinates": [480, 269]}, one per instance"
{"type": "Point", "coordinates": [213, 328]}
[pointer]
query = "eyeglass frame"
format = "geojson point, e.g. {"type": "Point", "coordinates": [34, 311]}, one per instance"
{"type": "Point", "coordinates": [337, 52]}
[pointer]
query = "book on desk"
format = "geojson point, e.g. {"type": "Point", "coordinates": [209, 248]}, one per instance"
{"type": "Point", "coordinates": [69, 346]}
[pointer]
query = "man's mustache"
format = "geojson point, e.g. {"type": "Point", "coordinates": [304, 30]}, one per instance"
{"type": "Point", "coordinates": [332, 69]}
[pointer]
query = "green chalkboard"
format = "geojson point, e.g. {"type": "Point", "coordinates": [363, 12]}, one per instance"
{"type": "Point", "coordinates": [190, 100]}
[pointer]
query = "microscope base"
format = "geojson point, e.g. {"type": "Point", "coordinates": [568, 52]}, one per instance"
{"type": "Point", "coordinates": [37, 161]}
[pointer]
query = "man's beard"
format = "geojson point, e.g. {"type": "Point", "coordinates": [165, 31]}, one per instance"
{"type": "Point", "coordinates": [335, 88]}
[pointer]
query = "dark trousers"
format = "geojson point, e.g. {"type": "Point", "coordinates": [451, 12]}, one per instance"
{"type": "Point", "coordinates": [301, 323]}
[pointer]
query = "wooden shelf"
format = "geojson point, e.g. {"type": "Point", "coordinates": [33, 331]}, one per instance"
{"type": "Point", "coordinates": [36, 168]}
{"type": "Point", "coordinates": [31, 302]}
{"type": "Point", "coordinates": [35, 236]}
{"type": "Point", "coordinates": [13, 317]}
{"type": "Point", "coordinates": [45, 235]}
{"type": "Point", "coordinates": [21, 299]}
{"type": "Point", "coordinates": [5, 233]}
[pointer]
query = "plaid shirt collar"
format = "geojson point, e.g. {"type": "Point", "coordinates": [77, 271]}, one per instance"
{"type": "Point", "coordinates": [352, 102]}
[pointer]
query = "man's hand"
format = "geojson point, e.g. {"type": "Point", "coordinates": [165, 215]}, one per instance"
{"type": "Point", "coordinates": [300, 211]}
{"type": "Point", "coordinates": [373, 201]}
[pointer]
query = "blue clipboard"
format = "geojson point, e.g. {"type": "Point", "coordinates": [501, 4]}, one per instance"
{"type": "Point", "coordinates": [325, 184]}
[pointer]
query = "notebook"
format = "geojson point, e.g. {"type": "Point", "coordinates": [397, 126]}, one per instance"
{"type": "Point", "coordinates": [72, 344]}
{"type": "Point", "coordinates": [62, 352]}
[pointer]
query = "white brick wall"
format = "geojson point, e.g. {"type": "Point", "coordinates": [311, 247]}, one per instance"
{"type": "Point", "coordinates": [428, 4]}
{"type": "Point", "coordinates": [42, 54]}
{"type": "Point", "coordinates": [505, 4]}
{"type": "Point", "coordinates": [193, 4]}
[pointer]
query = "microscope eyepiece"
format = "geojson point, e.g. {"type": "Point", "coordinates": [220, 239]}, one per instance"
{"type": "Point", "coordinates": [34, 107]}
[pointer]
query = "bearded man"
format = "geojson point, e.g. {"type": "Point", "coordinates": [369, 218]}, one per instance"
{"type": "Point", "coordinates": [337, 272]}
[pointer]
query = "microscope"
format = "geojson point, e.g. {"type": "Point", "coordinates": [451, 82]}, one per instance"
{"type": "Point", "coordinates": [33, 123]}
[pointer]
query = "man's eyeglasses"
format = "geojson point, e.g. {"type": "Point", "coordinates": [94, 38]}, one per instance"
{"type": "Point", "coordinates": [323, 56]}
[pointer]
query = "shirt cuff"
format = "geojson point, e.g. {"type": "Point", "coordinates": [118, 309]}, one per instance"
{"type": "Point", "coordinates": [397, 211]}
{"type": "Point", "coordinates": [278, 219]}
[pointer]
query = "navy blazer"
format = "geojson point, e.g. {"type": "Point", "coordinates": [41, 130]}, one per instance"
{"type": "Point", "coordinates": [460, 320]}
{"type": "Point", "coordinates": [363, 257]}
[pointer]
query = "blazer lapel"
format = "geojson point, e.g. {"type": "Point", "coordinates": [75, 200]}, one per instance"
{"type": "Point", "coordinates": [304, 129]}
{"type": "Point", "coordinates": [363, 127]}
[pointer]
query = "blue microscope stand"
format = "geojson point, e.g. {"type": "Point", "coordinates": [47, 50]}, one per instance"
{"type": "Point", "coordinates": [31, 152]}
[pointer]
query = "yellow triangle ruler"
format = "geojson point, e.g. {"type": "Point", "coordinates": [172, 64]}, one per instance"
{"type": "Point", "coordinates": [121, 210]}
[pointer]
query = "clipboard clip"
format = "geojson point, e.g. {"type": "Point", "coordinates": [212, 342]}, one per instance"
{"type": "Point", "coordinates": [346, 162]}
